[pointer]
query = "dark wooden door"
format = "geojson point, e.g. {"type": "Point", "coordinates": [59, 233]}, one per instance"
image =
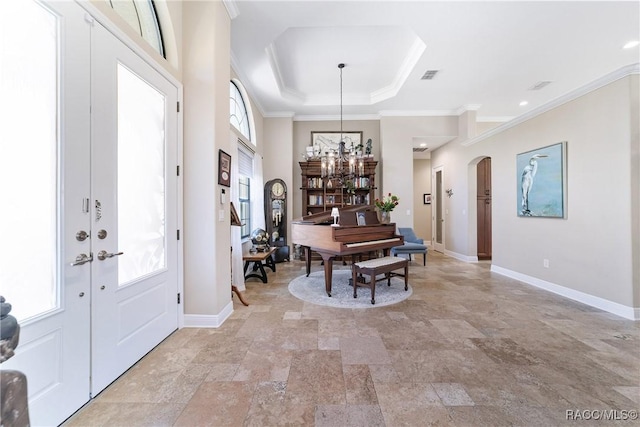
{"type": "Point", "coordinates": [483, 198]}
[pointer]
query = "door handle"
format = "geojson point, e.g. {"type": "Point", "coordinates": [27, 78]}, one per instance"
{"type": "Point", "coordinates": [102, 255]}
{"type": "Point", "coordinates": [82, 259]}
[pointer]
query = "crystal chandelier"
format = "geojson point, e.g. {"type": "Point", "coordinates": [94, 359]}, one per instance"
{"type": "Point", "coordinates": [341, 165]}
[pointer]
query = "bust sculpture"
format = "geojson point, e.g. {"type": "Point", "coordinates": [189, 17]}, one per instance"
{"type": "Point", "coordinates": [14, 407]}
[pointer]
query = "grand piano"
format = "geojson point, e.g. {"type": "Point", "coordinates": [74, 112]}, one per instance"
{"type": "Point", "coordinates": [315, 233]}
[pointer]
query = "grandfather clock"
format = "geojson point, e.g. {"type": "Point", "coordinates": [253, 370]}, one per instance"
{"type": "Point", "coordinates": [275, 210]}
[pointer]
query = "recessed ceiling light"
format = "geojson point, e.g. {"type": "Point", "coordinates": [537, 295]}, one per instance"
{"type": "Point", "coordinates": [423, 145]}
{"type": "Point", "coordinates": [523, 103]}
{"type": "Point", "coordinates": [631, 44]}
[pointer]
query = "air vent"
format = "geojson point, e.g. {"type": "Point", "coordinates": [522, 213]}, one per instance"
{"type": "Point", "coordinates": [419, 149]}
{"type": "Point", "coordinates": [539, 85]}
{"type": "Point", "coordinates": [429, 75]}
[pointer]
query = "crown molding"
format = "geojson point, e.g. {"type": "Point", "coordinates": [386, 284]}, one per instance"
{"type": "Point", "coordinates": [494, 119]}
{"type": "Point", "coordinates": [581, 91]}
{"type": "Point", "coordinates": [232, 8]}
{"type": "Point", "coordinates": [424, 113]}
{"type": "Point", "coordinates": [327, 118]}
{"type": "Point", "coordinates": [279, 115]}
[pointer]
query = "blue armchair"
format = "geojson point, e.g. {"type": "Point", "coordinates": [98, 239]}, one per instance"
{"type": "Point", "coordinates": [412, 245]}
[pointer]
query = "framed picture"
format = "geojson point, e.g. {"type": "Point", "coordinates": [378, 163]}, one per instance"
{"type": "Point", "coordinates": [426, 198]}
{"type": "Point", "coordinates": [326, 141]}
{"type": "Point", "coordinates": [541, 182]}
{"type": "Point", "coordinates": [224, 169]}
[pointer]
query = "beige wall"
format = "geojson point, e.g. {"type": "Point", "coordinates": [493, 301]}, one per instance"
{"type": "Point", "coordinates": [206, 75]}
{"type": "Point", "coordinates": [589, 251]}
{"type": "Point", "coordinates": [280, 161]}
{"type": "Point", "coordinates": [421, 185]}
{"type": "Point", "coordinates": [634, 84]}
{"type": "Point", "coordinates": [302, 139]}
{"type": "Point", "coordinates": [396, 135]}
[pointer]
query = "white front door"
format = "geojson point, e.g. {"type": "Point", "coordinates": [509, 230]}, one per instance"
{"type": "Point", "coordinates": [45, 187]}
{"type": "Point", "coordinates": [88, 132]}
{"type": "Point", "coordinates": [134, 197]}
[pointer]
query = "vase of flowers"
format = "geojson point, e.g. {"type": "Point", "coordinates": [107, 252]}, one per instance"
{"type": "Point", "coordinates": [385, 206]}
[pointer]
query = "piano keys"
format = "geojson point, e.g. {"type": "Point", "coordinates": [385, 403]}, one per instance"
{"type": "Point", "coordinates": [315, 233]}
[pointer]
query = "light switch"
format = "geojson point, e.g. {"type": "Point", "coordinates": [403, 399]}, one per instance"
{"type": "Point", "coordinates": [221, 215]}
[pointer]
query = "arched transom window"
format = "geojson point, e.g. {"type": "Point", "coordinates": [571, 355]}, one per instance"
{"type": "Point", "coordinates": [141, 16]}
{"type": "Point", "coordinates": [238, 116]}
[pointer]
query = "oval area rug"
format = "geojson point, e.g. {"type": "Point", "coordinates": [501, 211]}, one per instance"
{"type": "Point", "coordinates": [311, 289]}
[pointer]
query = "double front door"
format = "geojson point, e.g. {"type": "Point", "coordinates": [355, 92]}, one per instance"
{"type": "Point", "coordinates": [89, 255]}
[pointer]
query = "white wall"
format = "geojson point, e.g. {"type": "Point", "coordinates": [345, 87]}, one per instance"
{"type": "Point", "coordinates": [591, 250]}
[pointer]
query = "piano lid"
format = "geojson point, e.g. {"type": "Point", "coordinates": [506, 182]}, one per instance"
{"type": "Point", "coordinates": [348, 216]}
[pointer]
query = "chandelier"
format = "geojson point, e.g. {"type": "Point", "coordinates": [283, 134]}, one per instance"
{"type": "Point", "coordinates": [342, 164]}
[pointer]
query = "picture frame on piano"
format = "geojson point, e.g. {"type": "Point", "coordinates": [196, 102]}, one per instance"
{"type": "Point", "coordinates": [360, 218]}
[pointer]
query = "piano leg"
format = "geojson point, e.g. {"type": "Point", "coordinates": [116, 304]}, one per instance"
{"type": "Point", "coordinates": [328, 271]}
{"type": "Point", "coordinates": [307, 259]}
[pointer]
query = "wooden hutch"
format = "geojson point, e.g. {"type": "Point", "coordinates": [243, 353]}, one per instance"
{"type": "Point", "coordinates": [321, 194]}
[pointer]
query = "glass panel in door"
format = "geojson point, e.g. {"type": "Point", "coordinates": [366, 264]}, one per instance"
{"type": "Point", "coordinates": [44, 183]}
{"type": "Point", "coordinates": [29, 174]}
{"type": "Point", "coordinates": [141, 184]}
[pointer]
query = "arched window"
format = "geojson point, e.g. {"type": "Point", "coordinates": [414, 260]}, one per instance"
{"type": "Point", "coordinates": [141, 16]}
{"type": "Point", "coordinates": [238, 114]}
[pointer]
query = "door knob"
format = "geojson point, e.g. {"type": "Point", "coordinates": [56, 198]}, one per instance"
{"type": "Point", "coordinates": [82, 259]}
{"type": "Point", "coordinates": [102, 255]}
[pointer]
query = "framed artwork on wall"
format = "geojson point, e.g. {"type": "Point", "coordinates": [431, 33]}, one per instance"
{"type": "Point", "coordinates": [426, 198]}
{"type": "Point", "coordinates": [541, 182]}
{"type": "Point", "coordinates": [326, 141]}
{"type": "Point", "coordinates": [224, 168]}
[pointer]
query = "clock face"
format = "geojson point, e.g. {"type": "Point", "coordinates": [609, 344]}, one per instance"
{"type": "Point", "coordinates": [277, 189]}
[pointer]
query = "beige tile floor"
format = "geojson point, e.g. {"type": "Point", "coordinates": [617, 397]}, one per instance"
{"type": "Point", "coordinates": [468, 348]}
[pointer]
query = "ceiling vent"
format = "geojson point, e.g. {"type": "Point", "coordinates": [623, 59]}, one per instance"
{"type": "Point", "coordinates": [429, 75]}
{"type": "Point", "coordinates": [539, 85]}
{"type": "Point", "coordinates": [419, 149]}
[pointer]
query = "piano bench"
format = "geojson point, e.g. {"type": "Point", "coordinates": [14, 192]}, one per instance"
{"type": "Point", "coordinates": [372, 268]}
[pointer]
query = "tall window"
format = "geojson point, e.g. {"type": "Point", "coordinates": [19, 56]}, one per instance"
{"type": "Point", "coordinates": [239, 116]}
{"type": "Point", "coordinates": [141, 16]}
{"type": "Point", "coordinates": [245, 172]}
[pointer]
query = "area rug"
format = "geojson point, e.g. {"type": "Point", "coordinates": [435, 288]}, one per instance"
{"type": "Point", "coordinates": [311, 289]}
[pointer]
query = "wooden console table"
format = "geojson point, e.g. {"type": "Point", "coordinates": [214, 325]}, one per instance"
{"type": "Point", "coordinates": [259, 260]}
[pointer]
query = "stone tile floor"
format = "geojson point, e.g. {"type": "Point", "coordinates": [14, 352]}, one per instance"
{"type": "Point", "coordinates": [468, 348]}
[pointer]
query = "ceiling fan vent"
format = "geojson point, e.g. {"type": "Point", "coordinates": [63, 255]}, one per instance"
{"type": "Point", "coordinates": [419, 149]}
{"type": "Point", "coordinates": [429, 75]}
{"type": "Point", "coordinates": [539, 85]}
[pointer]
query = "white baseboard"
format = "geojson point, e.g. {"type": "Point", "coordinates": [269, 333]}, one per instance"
{"type": "Point", "coordinates": [627, 312]}
{"type": "Point", "coordinates": [465, 258]}
{"type": "Point", "coordinates": [208, 320]}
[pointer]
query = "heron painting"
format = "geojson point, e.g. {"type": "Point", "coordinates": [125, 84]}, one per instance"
{"type": "Point", "coordinates": [541, 182]}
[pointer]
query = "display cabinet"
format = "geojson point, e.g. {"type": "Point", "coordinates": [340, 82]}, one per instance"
{"type": "Point", "coordinates": [321, 194]}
